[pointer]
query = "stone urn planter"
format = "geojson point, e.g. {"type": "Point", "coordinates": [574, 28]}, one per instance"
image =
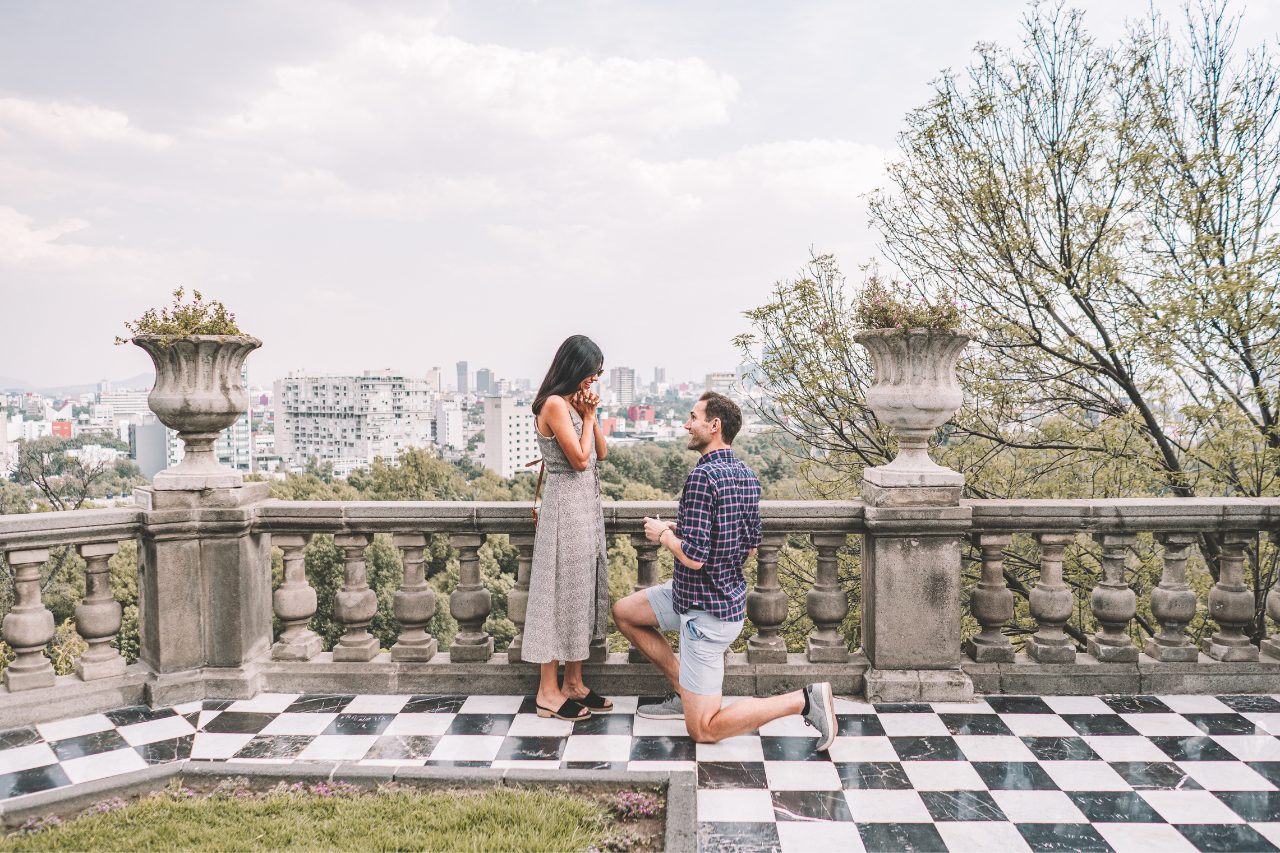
{"type": "Point", "coordinates": [198, 393]}
{"type": "Point", "coordinates": [915, 391]}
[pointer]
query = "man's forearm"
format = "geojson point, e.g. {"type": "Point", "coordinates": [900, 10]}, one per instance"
{"type": "Point", "coordinates": [672, 543]}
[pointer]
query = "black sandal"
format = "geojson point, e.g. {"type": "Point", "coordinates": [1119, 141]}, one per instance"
{"type": "Point", "coordinates": [595, 703]}
{"type": "Point", "coordinates": [572, 710]}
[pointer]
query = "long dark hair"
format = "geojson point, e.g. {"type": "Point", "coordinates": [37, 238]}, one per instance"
{"type": "Point", "coordinates": [577, 358]}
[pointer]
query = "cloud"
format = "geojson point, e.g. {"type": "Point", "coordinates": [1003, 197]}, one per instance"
{"type": "Point", "coordinates": [414, 77]}
{"type": "Point", "coordinates": [73, 125]}
{"type": "Point", "coordinates": [23, 244]}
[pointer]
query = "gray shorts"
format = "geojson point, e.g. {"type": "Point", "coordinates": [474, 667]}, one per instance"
{"type": "Point", "coordinates": [703, 640]}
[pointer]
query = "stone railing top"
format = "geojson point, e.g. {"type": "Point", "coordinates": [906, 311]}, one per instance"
{"type": "Point", "coordinates": [515, 517]}
{"type": "Point", "coordinates": [1197, 515]}
{"type": "Point", "coordinates": [76, 527]}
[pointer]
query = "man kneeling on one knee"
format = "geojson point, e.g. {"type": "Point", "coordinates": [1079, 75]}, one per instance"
{"type": "Point", "coordinates": [716, 529]}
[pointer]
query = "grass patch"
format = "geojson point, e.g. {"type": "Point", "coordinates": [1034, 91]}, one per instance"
{"type": "Point", "coordinates": [338, 817]}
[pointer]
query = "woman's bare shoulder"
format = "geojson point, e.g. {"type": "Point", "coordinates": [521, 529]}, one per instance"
{"type": "Point", "coordinates": [555, 402]}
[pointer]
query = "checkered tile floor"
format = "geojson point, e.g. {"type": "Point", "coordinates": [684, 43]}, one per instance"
{"type": "Point", "coordinates": [1008, 773]}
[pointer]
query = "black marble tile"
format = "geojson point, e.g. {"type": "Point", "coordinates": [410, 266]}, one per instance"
{"type": "Point", "coordinates": [1114, 807]}
{"type": "Point", "coordinates": [1253, 806]}
{"type": "Point", "coordinates": [528, 706]}
{"type": "Point", "coordinates": [1251, 704]}
{"type": "Point", "coordinates": [962, 805]}
{"type": "Point", "coordinates": [1060, 748]}
{"type": "Point", "coordinates": [216, 704]}
{"type": "Point", "coordinates": [1062, 836]}
{"type": "Point", "coordinates": [811, 805]}
{"type": "Point", "coordinates": [903, 708]}
{"type": "Point", "coordinates": [1270, 770]}
{"type": "Point", "coordinates": [1222, 724]}
{"type": "Point", "coordinates": [895, 837]}
{"type": "Point", "coordinates": [32, 781]}
{"type": "Point", "coordinates": [457, 763]}
{"type": "Point", "coordinates": [24, 736]}
{"type": "Point", "coordinates": [193, 718]}
{"type": "Point", "coordinates": [975, 724]}
{"type": "Point", "coordinates": [660, 748]}
{"type": "Point", "coordinates": [238, 722]}
{"type": "Point", "coordinates": [1154, 776]}
{"type": "Point", "coordinates": [532, 749]}
{"type": "Point", "coordinates": [1136, 705]}
{"type": "Point", "coordinates": [1099, 724]}
{"type": "Point", "coordinates": [435, 705]}
{"type": "Point", "coordinates": [319, 703]}
{"type": "Point", "coordinates": [593, 765]}
{"type": "Point", "coordinates": [859, 725]}
{"type": "Point", "coordinates": [604, 724]}
{"type": "Point", "coordinates": [866, 775]}
{"type": "Point", "coordinates": [275, 746]}
{"type": "Point", "coordinates": [138, 714]}
{"type": "Point", "coordinates": [1018, 705]}
{"type": "Point", "coordinates": [731, 774]}
{"type": "Point", "coordinates": [791, 749]}
{"type": "Point", "coordinates": [718, 837]}
{"type": "Point", "coordinates": [926, 749]}
{"type": "Point", "coordinates": [480, 724]}
{"type": "Point", "coordinates": [1232, 836]}
{"type": "Point", "coordinates": [164, 751]}
{"type": "Point", "coordinates": [360, 724]}
{"type": "Point", "coordinates": [90, 744]}
{"type": "Point", "coordinates": [1014, 776]}
{"type": "Point", "coordinates": [403, 746]}
{"type": "Point", "coordinates": [1192, 748]}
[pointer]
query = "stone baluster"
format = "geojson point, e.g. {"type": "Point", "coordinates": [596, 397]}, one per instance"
{"type": "Point", "coordinates": [1173, 603]}
{"type": "Point", "coordinates": [598, 650]}
{"type": "Point", "coordinates": [470, 603]}
{"type": "Point", "coordinates": [1114, 603]}
{"type": "Point", "coordinates": [294, 602]}
{"type": "Point", "coordinates": [646, 576]}
{"type": "Point", "coordinates": [518, 598]}
{"type": "Point", "coordinates": [28, 626]}
{"type": "Point", "coordinates": [991, 603]}
{"type": "Point", "coordinates": [1271, 645]}
{"type": "Point", "coordinates": [415, 602]}
{"type": "Point", "coordinates": [355, 604]}
{"type": "Point", "coordinates": [767, 607]}
{"type": "Point", "coordinates": [98, 617]}
{"type": "Point", "coordinates": [827, 604]}
{"type": "Point", "coordinates": [1231, 604]}
{"type": "Point", "coordinates": [1051, 603]}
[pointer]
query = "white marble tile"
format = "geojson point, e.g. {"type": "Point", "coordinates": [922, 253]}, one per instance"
{"type": "Point", "coordinates": [980, 707]}
{"type": "Point", "coordinates": [597, 748]}
{"type": "Point", "coordinates": [207, 745]}
{"type": "Point", "coordinates": [338, 748]}
{"type": "Point", "coordinates": [1078, 705]}
{"type": "Point", "coordinates": [624, 704]}
{"type": "Point", "coordinates": [1269, 831]}
{"type": "Point", "coordinates": [75, 727]}
{"type": "Point", "coordinates": [789, 726]}
{"type": "Point", "coordinates": [1225, 776]}
{"type": "Point", "coordinates": [188, 707]}
{"type": "Point", "coordinates": [802, 776]}
{"type": "Point", "coordinates": [299, 724]}
{"type": "Point", "coordinates": [26, 757]}
{"type": "Point", "coordinates": [1085, 776]}
{"type": "Point", "coordinates": [492, 705]}
{"type": "Point", "coordinates": [1190, 807]}
{"type": "Point", "coordinates": [1125, 748]}
{"type": "Point", "coordinates": [165, 728]}
{"type": "Point", "coordinates": [961, 835]}
{"type": "Point", "coordinates": [883, 806]}
{"type": "Point", "coordinates": [643, 727]}
{"type": "Point", "coordinates": [420, 724]}
{"type": "Point", "coordinates": [735, 805]}
{"type": "Point", "coordinates": [1038, 807]}
{"type": "Point", "coordinates": [531, 725]}
{"type": "Point", "coordinates": [845, 705]}
{"type": "Point", "coordinates": [1250, 747]}
{"type": "Point", "coordinates": [1143, 837]}
{"type": "Point", "coordinates": [1195, 705]}
{"type": "Point", "coordinates": [943, 776]}
{"type": "Point", "coordinates": [913, 725]}
{"type": "Point", "coordinates": [1269, 723]}
{"type": "Point", "coordinates": [1156, 725]}
{"type": "Point", "coordinates": [1038, 725]}
{"type": "Point", "coordinates": [467, 748]}
{"type": "Point", "coordinates": [993, 748]}
{"type": "Point", "coordinates": [661, 766]}
{"type": "Point", "coordinates": [376, 703]}
{"type": "Point", "coordinates": [532, 764]}
{"type": "Point", "coordinates": [819, 836]}
{"type": "Point", "coordinates": [742, 748]}
{"type": "Point", "coordinates": [102, 765]}
{"type": "Point", "coordinates": [862, 748]}
{"type": "Point", "coordinates": [264, 703]}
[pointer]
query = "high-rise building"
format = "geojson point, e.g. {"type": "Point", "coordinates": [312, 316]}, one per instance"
{"type": "Point", "coordinates": [435, 380]}
{"type": "Point", "coordinates": [622, 382]}
{"type": "Point", "coordinates": [721, 382]}
{"type": "Point", "coordinates": [510, 436]}
{"type": "Point", "coordinates": [464, 378]}
{"type": "Point", "coordinates": [449, 422]}
{"type": "Point", "coordinates": [484, 381]}
{"type": "Point", "coordinates": [350, 420]}
{"type": "Point", "coordinates": [659, 375]}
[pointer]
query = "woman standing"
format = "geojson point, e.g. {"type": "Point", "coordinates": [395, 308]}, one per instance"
{"type": "Point", "coordinates": [568, 583]}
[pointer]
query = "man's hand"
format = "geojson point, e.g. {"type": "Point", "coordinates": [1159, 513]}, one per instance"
{"type": "Point", "coordinates": [653, 528]}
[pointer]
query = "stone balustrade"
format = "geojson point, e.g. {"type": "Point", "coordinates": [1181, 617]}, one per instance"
{"type": "Point", "coordinates": [206, 600]}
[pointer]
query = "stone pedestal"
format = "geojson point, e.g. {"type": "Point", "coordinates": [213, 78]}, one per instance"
{"type": "Point", "coordinates": [204, 589]}
{"type": "Point", "coordinates": [911, 603]}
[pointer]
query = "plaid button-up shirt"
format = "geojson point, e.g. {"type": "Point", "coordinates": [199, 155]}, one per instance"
{"type": "Point", "coordinates": [718, 523]}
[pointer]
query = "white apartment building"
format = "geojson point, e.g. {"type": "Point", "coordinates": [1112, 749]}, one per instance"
{"type": "Point", "coordinates": [721, 383]}
{"type": "Point", "coordinates": [510, 436]}
{"type": "Point", "coordinates": [622, 383]}
{"type": "Point", "coordinates": [449, 425]}
{"type": "Point", "coordinates": [116, 407]}
{"type": "Point", "coordinates": [350, 420]}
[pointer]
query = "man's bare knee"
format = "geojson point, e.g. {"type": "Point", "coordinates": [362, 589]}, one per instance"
{"type": "Point", "coordinates": [699, 732]}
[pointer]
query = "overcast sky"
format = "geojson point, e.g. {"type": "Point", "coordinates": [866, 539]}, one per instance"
{"type": "Point", "coordinates": [404, 185]}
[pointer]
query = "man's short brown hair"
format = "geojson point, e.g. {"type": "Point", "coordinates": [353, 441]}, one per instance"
{"type": "Point", "coordinates": [720, 406]}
